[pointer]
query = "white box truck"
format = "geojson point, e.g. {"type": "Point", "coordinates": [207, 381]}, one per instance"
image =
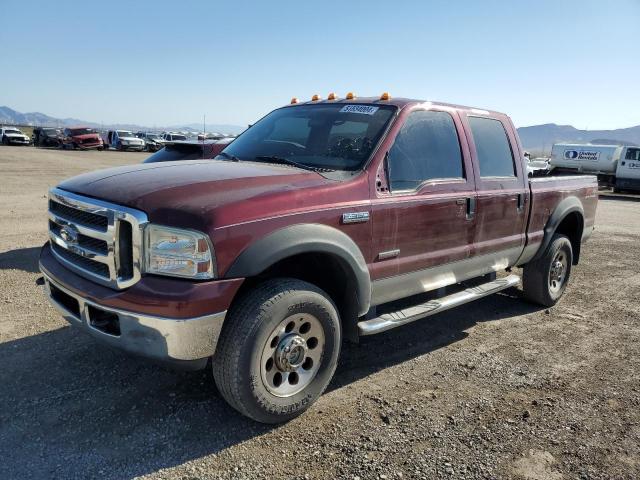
{"type": "Point", "coordinates": [628, 170]}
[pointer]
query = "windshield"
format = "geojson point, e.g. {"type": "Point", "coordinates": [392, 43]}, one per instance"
{"type": "Point", "coordinates": [173, 152]}
{"type": "Point", "coordinates": [177, 137]}
{"type": "Point", "coordinates": [125, 133]}
{"type": "Point", "coordinates": [323, 136]}
{"type": "Point", "coordinates": [153, 136]}
{"type": "Point", "coordinates": [12, 130]}
{"type": "Point", "coordinates": [81, 131]}
{"type": "Point", "coordinates": [50, 131]}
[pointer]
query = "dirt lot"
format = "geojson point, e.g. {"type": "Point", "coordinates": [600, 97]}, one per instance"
{"type": "Point", "coordinates": [496, 389]}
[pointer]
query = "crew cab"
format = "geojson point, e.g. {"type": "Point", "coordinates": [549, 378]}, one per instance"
{"type": "Point", "coordinates": [325, 220]}
{"type": "Point", "coordinates": [124, 140]}
{"type": "Point", "coordinates": [83, 138]}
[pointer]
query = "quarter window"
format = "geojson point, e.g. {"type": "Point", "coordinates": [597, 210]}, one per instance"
{"type": "Point", "coordinates": [633, 154]}
{"type": "Point", "coordinates": [492, 146]}
{"type": "Point", "coordinates": [426, 148]}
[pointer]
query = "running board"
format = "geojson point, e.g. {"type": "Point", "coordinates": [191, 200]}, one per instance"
{"type": "Point", "coordinates": [391, 320]}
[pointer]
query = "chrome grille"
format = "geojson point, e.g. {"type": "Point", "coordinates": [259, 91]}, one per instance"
{"type": "Point", "coordinates": [98, 240]}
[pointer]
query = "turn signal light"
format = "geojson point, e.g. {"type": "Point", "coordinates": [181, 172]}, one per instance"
{"type": "Point", "coordinates": [315, 98]}
{"type": "Point", "coordinates": [294, 100]}
{"type": "Point", "coordinates": [331, 96]}
{"type": "Point", "coordinates": [385, 96]}
{"type": "Point", "coordinates": [350, 96]}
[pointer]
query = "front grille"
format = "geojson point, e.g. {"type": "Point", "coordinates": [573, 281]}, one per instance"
{"type": "Point", "coordinates": [90, 243]}
{"type": "Point", "coordinates": [83, 262]}
{"type": "Point", "coordinates": [80, 217]}
{"type": "Point", "coordinates": [98, 240]}
{"type": "Point", "coordinates": [89, 140]}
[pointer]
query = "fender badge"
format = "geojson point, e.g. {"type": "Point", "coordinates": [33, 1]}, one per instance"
{"type": "Point", "coordinates": [355, 217]}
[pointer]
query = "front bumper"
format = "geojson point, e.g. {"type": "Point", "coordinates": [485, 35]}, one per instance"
{"type": "Point", "coordinates": [160, 328]}
{"type": "Point", "coordinates": [18, 141]}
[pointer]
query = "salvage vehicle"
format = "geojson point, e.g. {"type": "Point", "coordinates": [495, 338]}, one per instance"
{"type": "Point", "coordinates": [13, 136]}
{"type": "Point", "coordinates": [173, 137]}
{"type": "Point", "coordinates": [152, 141]}
{"type": "Point", "coordinates": [83, 138]}
{"type": "Point", "coordinates": [47, 137]}
{"type": "Point", "coordinates": [124, 140]}
{"type": "Point", "coordinates": [326, 220]}
{"type": "Point", "coordinates": [189, 150]}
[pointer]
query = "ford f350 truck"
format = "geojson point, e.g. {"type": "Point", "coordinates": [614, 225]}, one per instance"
{"type": "Point", "coordinates": [305, 231]}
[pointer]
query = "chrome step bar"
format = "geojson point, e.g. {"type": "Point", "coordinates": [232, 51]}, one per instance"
{"type": "Point", "coordinates": [391, 320]}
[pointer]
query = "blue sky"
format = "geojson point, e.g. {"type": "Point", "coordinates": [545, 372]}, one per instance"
{"type": "Point", "coordinates": [166, 63]}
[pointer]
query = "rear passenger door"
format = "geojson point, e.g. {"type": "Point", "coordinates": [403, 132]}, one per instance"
{"type": "Point", "coordinates": [502, 189]}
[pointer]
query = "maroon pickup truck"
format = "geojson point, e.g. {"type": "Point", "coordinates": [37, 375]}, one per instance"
{"type": "Point", "coordinates": [305, 231]}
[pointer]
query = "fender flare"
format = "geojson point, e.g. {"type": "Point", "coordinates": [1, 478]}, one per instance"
{"type": "Point", "coordinates": [306, 238]}
{"type": "Point", "coordinates": [565, 207]}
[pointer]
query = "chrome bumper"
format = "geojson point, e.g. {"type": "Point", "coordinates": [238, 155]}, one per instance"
{"type": "Point", "coordinates": [165, 339]}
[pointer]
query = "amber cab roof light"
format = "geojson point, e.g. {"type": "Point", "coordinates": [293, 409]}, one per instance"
{"type": "Point", "coordinates": [331, 96]}
{"type": "Point", "coordinates": [315, 98]}
{"type": "Point", "coordinates": [385, 96]}
{"type": "Point", "coordinates": [294, 100]}
{"type": "Point", "coordinates": [350, 96]}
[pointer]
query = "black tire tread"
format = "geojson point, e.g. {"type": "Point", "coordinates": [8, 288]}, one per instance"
{"type": "Point", "coordinates": [534, 278]}
{"type": "Point", "coordinates": [242, 323]}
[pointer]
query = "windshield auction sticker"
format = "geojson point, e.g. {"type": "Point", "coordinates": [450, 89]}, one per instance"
{"type": "Point", "coordinates": [363, 109]}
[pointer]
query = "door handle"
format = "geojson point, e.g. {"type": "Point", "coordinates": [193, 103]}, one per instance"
{"type": "Point", "coordinates": [471, 208]}
{"type": "Point", "coordinates": [520, 206]}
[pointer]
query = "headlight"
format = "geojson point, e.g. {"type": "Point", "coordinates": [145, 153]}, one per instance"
{"type": "Point", "coordinates": [178, 253]}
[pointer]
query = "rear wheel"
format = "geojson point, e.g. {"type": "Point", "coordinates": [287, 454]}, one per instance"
{"type": "Point", "coordinates": [544, 280]}
{"type": "Point", "coordinates": [278, 350]}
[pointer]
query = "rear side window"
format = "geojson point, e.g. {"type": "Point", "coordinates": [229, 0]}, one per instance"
{"type": "Point", "coordinates": [426, 148]}
{"type": "Point", "coordinates": [492, 145]}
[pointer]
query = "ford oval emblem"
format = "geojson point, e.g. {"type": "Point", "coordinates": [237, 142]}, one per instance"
{"type": "Point", "coordinates": [69, 234]}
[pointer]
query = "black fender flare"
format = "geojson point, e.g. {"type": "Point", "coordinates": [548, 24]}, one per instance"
{"type": "Point", "coordinates": [564, 208]}
{"type": "Point", "coordinates": [306, 238]}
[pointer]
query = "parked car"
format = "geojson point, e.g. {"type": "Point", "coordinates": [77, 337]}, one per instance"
{"type": "Point", "coordinates": [537, 167]}
{"type": "Point", "coordinates": [173, 137]}
{"type": "Point", "coordinates": [124, 140]}
{"type": "Point", "coordinates": [189, 150]}
{"type": "Point", "coordinates": [153, 141]}
{"type": "Point", "coordinates": [308, 229]}
{"type": "Point", "coordinates": [47, 137]}
{"type": "Point", "coordinates": [83, 138]}
{"type": "Point", "coordinates": [13, 136]}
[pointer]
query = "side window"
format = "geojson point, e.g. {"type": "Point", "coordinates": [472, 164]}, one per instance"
{"type": "Point", "coordinates": [632, 154]}
{"type": "Point", "coordinates": [426, 148]}
{"type": "Point", "coordinates": [492, 145]}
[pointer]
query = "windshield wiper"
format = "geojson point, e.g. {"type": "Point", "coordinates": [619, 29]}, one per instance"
{"type": "Point", "coordinates": [233, 158]}
{"type": "Point", "coordinates": [287, 161]}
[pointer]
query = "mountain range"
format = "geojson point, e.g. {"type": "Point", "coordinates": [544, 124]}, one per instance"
{"type": "Point", "coordinates": [536, 138]}
{"type": "Point", "coordinates": [8, 116]}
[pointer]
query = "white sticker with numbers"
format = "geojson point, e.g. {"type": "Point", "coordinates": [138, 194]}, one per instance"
{"type": "Point", "coordinates": [363, 109]}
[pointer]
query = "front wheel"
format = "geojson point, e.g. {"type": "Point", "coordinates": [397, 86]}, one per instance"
{"type": "Point", "coordinates": [278, 350]}
{"type": "Point", "coordinates": [545, 279]}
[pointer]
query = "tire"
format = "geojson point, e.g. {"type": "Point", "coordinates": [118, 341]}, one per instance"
{"type": "Point", "coordinates": [5, 141]}
{"type": "Point", "coordinates": [251, 366]}
{"type": "Point", "coordinates": [544, 280]}
{"type": "Point", "coordinates": [616, 190]}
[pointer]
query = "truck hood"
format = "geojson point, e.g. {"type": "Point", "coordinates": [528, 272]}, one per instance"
{"type": "Point", "coordinates": [86, 136]}
{"type": "Point", "coordinates": [191, 193]}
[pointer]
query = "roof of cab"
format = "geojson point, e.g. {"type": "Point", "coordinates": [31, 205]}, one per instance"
{"type": "Point", "coordinates": [399, 102]}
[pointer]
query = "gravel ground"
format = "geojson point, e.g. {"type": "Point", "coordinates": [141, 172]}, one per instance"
{"type": "Point", "coordinates": [496, 389]}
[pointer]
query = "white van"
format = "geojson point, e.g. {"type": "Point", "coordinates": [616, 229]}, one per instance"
{"type": "Point", "coordinates": [628, 171]}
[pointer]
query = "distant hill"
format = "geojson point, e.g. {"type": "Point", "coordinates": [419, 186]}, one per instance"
{"type": "Point", "coordinates": [537, 138]}
{"type": "Point", "coordinates": [540, 138]}
{"type": "Point", "coordinates": [8, 116]}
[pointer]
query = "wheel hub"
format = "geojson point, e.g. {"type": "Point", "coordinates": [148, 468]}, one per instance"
{"type": "Point", "coordinates": [557, 269]}
{"type": "Point", "coordinates": [290, 353]}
